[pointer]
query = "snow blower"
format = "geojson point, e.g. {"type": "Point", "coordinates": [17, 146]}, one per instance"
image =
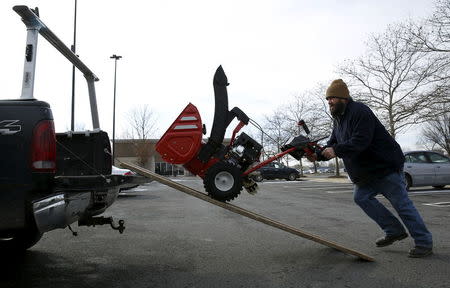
{"type": "Point", "coordinates": [224, 169]}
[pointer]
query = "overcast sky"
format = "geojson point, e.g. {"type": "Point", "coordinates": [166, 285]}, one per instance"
{"type": "Point", "coordinates": [270, 51]}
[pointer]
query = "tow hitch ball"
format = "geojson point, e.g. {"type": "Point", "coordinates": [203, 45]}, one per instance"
{"type": "Point", "coordinates": [92, 221]}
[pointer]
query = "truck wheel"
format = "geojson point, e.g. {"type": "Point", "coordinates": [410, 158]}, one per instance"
{"type": "Point", "coordinates": [292, 177]}
{"type": "Point", "coordinates": [22, 240]}
{"type": "Point", "coordinates": [223, 181]}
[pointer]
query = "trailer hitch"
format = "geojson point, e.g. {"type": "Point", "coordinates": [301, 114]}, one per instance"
{"type": "Point", "coordinates": [92, 221]}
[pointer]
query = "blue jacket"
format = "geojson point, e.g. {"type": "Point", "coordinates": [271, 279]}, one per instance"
{"type": "Point", "coordinates": [367, 149]}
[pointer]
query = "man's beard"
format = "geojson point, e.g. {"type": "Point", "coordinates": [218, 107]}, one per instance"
{"type": "Point", "coordinates": [338, 110]}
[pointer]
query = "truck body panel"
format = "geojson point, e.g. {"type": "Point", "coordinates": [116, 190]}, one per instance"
{"type": "Point", "coordinates": [50, 180]}
{"type": "Point", "coordinates": [81, 187]}
{"type": "Point", "coordinates": [17, 182]}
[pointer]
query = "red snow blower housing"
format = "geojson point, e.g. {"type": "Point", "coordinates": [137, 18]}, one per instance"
{"type": "Point", "coordinates": [224, 169]}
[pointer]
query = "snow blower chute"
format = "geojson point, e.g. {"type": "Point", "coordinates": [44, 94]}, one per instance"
{"type": "Point", "coordinates": [224, 169]}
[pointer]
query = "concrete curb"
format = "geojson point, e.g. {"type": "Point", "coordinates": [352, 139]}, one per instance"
{"type": "Point", "coordinates": [328, 179]}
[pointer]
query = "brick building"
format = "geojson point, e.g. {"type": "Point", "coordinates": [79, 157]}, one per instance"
{"type": "Point", "coordinates": [142, 153]}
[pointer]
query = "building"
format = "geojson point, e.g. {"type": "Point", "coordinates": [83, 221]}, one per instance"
{"type": "Point", "coordinates": [143, 153]}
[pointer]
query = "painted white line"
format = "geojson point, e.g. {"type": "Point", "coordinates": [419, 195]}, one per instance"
{"type": "Point", "coordinates": [339, 192]}
{"type": "Point", "coordinates": [420, 193]}
{"type": "Point", "coordinates": [137, 190]}
{"type": "Point", "coordinates": [428, 192]}
{"type": "Point", "coordinates": [280, 182]}
{"type": "Point", "coordinates": [184, 180]}
{"type": "Point", "coordinates": [438, 204]}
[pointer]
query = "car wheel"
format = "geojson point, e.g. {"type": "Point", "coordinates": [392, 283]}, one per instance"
{"type": "Point", "coordinates": [439, 187]}
{"type": "Point", "coordinates": [292, 177]}
{"type": "Point", "coordinates": [258, 178]}
{"type": "Point", "coordinates": [223, 181]}
{"type": "Point", "coordinates": [408, 181]}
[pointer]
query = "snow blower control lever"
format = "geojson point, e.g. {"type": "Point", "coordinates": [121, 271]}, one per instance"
{"type": "Point", "coordinates": [297, 147]}
{"type": "Point", "coordinates": [302, 144]}
{"type": "Point", "coordinates": [224, 169]}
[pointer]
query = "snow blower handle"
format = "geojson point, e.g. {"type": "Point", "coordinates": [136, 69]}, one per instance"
{"type": "Point", "coordinates": [303, 124]}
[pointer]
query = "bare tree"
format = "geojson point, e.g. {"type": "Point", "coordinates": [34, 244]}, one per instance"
{"type": "Point", "coordinates": [142, 122]}
{"type": "Point", "coordinates": [309, 108]}
{"type": "Point", "coordinates": [142, 125]}
{"type": "Point", "coordinates": [325, 123]}
{"type": "Point", "coordinates": [437, 133]}
{"type": "Point", "coordinates": [401, 84]}
{"type": "Point", "coordinates": [306, 107]}
{"type": "Point", "coordinates": [274, 126]}
{"type": "Point", "coordinates": [433, 33]}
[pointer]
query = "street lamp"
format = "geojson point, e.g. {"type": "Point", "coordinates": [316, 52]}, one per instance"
{"type": "Point", "coordinates": [73, 48]}
{"type": "Point", "coordinates": [115, 57]}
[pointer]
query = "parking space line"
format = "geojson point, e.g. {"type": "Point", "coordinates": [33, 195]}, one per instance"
{"type": "Point", "coordinates": [438, 204]}
{"type": "Point", "coordinates": [428, 192]}
{"type": "Point", "coordinates": [339, 192]}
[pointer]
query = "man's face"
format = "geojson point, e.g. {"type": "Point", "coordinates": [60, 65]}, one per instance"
{"type": "Point", "coordinates": [337, 105]}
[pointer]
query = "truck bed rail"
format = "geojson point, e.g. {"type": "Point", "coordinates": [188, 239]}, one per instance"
{"type": "Point", "coordinates": [34, 26]}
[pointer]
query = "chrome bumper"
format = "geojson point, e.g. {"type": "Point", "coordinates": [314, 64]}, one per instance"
{"type": "Point", "coordinates": [60, 210]}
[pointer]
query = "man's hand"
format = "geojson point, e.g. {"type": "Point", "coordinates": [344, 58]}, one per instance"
{"type": "Point", "coordinates": [328, 153]}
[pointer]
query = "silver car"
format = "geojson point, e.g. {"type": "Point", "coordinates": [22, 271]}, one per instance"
{"type": "Point", "coordinates": [426, 168]}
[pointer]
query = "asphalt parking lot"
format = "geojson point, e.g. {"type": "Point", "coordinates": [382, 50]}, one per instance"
{"type": "Point", "coordinates": [175, 240]}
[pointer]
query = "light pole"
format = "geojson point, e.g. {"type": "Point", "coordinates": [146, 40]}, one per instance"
{"type": "Point", "coordinates": [73, 48]}
{"type": "Point", "coordinates": [115, 57]}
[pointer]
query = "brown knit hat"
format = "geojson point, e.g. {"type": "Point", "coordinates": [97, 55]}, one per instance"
{"type": "Point", "coordinates": [338, 89]}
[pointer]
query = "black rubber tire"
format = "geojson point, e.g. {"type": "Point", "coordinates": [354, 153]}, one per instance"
{"type": "Point", "coordinates": [21, 241]}
{"type": "Point", "coordinates": [258, 178]}
{"type": "Point", "coordinates": [228, 175]}
{"type": "Point", "coordinates": [292, 177]}
{"type": "Point", "coordinates": [408, 181]}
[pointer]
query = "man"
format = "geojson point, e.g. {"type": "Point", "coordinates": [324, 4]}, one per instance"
{"type": "Point", "coordinates": [374, 162]}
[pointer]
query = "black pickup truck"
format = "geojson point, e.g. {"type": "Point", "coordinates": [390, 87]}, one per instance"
{"type": "Point", "coordinates": [50, 180]}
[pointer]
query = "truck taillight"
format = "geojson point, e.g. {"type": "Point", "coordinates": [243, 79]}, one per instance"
{"type": "Point", "coordinates": [43, 153]}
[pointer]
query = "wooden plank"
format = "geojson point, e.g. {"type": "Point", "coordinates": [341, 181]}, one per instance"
{"type": "Point", "coordinates": [244, 212]}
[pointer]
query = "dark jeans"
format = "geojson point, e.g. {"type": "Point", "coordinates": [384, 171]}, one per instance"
{"type": "Point", "coordinates": [393, 188]}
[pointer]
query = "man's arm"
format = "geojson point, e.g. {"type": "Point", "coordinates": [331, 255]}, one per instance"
{"type": "Point", "coordinates": [332, 139]}
{"type": "Point", "coordinates": [324, 155]}
{"type": "Point", "coordinates": [318, 155]}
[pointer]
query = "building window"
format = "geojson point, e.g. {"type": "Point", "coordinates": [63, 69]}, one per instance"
{"type": "Point", "coordinates": [179, 171]}
{"type": "Point", "coordinates": [167, 169]}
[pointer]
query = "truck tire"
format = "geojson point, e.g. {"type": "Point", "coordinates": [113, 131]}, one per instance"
{"type": "Point", "coordinates": [20, 241]}
{"type": "Point", "coordinates": [223, 181]}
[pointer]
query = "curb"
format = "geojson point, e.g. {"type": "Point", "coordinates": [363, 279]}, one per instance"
{"type": "Point", "coordinates": [329, 180]}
